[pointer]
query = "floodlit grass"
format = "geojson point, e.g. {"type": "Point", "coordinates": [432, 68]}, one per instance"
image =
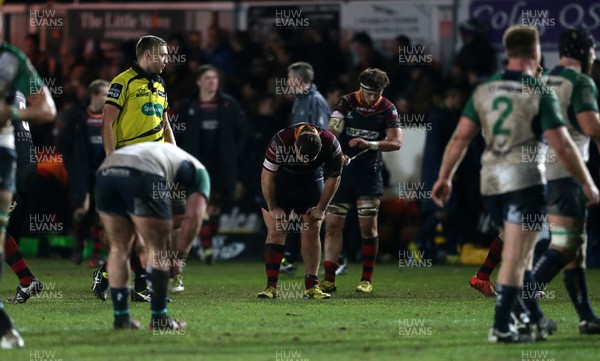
{"type": "Point", "coordinates": [413, 314]}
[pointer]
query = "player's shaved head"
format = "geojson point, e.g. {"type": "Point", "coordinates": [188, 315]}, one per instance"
{"type": "Point", "coordinates": [520, 41]}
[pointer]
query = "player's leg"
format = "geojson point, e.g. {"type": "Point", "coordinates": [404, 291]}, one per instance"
{"type": "Point", "coordinates": [273, 252]}
{"type": "Point", "coordinates": [522, 212]}
{"type": "Point", "coordinates": [120, 233]}
{"type": "Point", "coordinates": [481, 281]}
{"type": "Point", "coordinates": [29, 285]}
{"type": "Point", "coordinates": [566, 215]}
{"type": "Point", "coordinates": [141, 292]}
{"type": "Point", "coordinates": [156, 232]}
{"type": "Point", "coordinates": [367, 209]}
{"type": "Point", "coordinates": [335, 219]}
{"type": "Point", "coordinates": [310, 240]}
{"type": "Point", "coordinates": [9, 337]}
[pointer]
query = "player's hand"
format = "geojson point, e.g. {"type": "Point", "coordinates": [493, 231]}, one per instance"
{"type": "Point", "coordinates": [591, 193]}
{"type": "Point", "coordinates": [278, 214]}
{"type": "Point", "coordinates": [315, 214]}
{"type": "Point", "coordinates": [442, 189]}
{"type": "Point", "coordinates": [345, 159]}
{"type": "Point", "coordinates": [358, 143]}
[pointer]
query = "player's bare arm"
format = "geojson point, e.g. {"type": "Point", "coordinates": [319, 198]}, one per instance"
{"type": "Point", "coordinates": [195, 209]}
{"type": "Point", "coordinates": [40, 108]}
{"type": "Point", "coordinates": [317, 213]}
{"type": "Point", "coordinates": [560, 140]}
{"type": "Point", "coordinates": [111, 113]}
{"type": "Point", "coordinates": [589, 121]}
{"type": "Point", "coordinates": [392, 142]}
{"type": "Point", "coordinates": [168, 132]}
{"type": "Point", "coordinates": [455, 151]}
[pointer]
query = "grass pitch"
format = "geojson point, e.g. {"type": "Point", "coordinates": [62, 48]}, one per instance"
{"type": "Point", "coordinates": [413, 314]}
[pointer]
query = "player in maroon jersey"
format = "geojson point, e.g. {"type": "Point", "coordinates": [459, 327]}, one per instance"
{"type": "Point", "coordinates": [364, 122]}
{"type": "Point", "coordinates": [295, 198]}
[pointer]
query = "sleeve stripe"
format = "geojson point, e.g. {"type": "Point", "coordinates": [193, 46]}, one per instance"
{"type": "Point", "coordinates": [270, 166]}
{"type": "Point", "coordinates": [113, 104]}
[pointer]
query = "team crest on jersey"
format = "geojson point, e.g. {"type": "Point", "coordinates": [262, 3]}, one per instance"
{"type": "Point", "coordinates": [115, 91]}
{"type": "Point", "coordinates": [362, 133]}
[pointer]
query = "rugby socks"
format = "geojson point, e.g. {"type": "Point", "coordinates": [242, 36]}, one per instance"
{"type": "Point", "coordinates": [16, 261]}
{"type": "Point", "coordinates": [97, 244]}
{"type": "Point", "coordinates": [491, 261]}
{"type": "Point", "coordinates": [207, 232]}
{"type": "Point", "coordinates": [159, 281]}
{"type": "Point", "coordinates": [505, 301]}
{"type": "Point", "coordinates": [273, 254]}
{"type": "Point", "coordinates": [369, 252]}
{"type": "Point", "coordinates": [140, 277]}
{"type": "Point", "coordinates": [120, 305]}
{"type": "Point", "coordinates": [310, 281]}
{"type": "Point", "coordinates": [330, 269]}
{"type": "Point", "coordinates": [576, 284]}
{"type": "Point", "coordinates": [5, 323]}
{"type": "Point", "coordinates": [528, 295]}
{"type": "Point", "coordinates": [548, 266]}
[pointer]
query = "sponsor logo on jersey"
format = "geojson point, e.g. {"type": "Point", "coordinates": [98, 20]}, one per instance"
{"type": "Point", "coordinates": [161, 93]}
{"type": "Point", "coordinates": [141, 92]}
{"type": "Point", "coordinates": [362, 133]}
{"type": "Point", "coordinates": [150, 109]}
{"type": "Point", "coordinates": [115, 91]}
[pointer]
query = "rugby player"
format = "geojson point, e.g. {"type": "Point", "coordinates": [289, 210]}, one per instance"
{"type": "Point", "coordinates": [577, 94]}
{"type": "Point", "coordinates": [133, 187]}
{"type": "Point", "coordinates": [363, 121]}
{"type": "Point", "coordinates": [18, 75]}
{"type": "Point", "coordinates": [515, 109]}
{"type": "Point", "coordinates": [292, 184]}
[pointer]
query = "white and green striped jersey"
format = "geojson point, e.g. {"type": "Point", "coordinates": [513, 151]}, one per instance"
{"type": "Point", "coordinates": [576, 93]}
{"type": "Point", "coordinates": [513, 110]}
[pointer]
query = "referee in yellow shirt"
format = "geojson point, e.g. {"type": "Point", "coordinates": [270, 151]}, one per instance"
{"type": "Point", "coordinates": [135, 111]}
{"type": "Point", "coordinates": [135, 108]}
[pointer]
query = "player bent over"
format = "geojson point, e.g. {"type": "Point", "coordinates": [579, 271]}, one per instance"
{"type": "Point", "coordinates": [292, 183]}
{"type": "Point", "coordinates": [515, 109]}
{"type": "Point", "coordinates": [132, 193]}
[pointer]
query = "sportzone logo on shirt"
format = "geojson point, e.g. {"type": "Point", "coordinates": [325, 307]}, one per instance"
{"type": "Point", "coordinates": [150, 109]}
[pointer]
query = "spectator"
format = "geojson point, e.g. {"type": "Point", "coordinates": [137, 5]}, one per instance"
{"type": "Point", "coordinates": [215, 133]}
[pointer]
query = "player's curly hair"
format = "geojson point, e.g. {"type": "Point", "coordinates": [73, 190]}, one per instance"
{"type": "Point", "coordinates": [309, 143]}
{"type": "Point", "coordinates": [373, 79]}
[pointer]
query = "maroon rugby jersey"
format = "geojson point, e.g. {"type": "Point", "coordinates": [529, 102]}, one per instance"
{"type": "Point", "coordinates": [366, 122]}
{"type": "Point", "coordinates": [282, 154]}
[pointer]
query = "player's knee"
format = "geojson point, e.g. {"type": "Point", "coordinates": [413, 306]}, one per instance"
{"type": "Point", "coordinates": [367, 210]}
{"type": "Point", "coordinates": [569, 240]}
{"type": "Point", "coordinates": [339, 210]}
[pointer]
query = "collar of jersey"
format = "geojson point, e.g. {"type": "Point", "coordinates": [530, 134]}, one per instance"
{"type": "Point", "coordinates": [138, 69]}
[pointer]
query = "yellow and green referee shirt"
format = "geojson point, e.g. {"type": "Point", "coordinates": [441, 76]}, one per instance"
{"type": "Point", "coordinates": [142, 99]}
